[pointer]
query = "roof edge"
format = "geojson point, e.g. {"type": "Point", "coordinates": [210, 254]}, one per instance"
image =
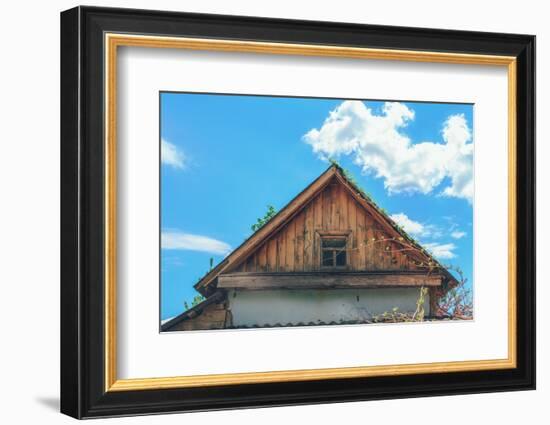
{"type": "Point", "coordinates": [217, 296]}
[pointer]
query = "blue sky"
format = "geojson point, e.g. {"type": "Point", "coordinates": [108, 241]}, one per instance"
{"type": "Point", "coordinates": [224, 158]}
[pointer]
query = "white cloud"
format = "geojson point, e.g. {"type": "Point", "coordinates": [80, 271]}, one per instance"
{"type": "Point", "coordinates": [378, 146]}
{"type": "Point", "coordinates": [171, 155]}
{"type": "Point", "coordinates": [412, 227]}
{"type": "Point", "coordinates": [190, 242]}
{"type": "Point", "coordinates": [441, 251]}
{"type": "Point", "coordinates": [416, 228]}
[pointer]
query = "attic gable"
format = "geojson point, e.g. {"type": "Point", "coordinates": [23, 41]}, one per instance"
{"type": "Point", "coordinates": [333, 214]}
{"type": "Point", "coordinates": [332, 203]}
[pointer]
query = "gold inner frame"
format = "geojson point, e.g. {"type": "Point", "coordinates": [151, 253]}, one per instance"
{"type": "Point", "coordinates": [113, 41]}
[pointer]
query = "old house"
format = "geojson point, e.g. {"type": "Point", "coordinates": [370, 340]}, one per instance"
{"type": "Point", "coordinates": [330, 256]}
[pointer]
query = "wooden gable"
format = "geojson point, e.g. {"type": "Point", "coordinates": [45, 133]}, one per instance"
{"type": "Point", "coordinates": [285, 252]}
{"type": "Point", "coordinates": [333, 212]}
{"type": "Point", "coordinates": [331, 206]}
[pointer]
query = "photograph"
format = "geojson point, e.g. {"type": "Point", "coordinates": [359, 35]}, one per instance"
{"type": "Point", "coordinates": [286, 210]}
{"type": "Point", "coordinates": [279, 212]}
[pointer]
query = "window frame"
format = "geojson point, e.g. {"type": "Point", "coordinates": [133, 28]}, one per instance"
{"type": "Point", "coordinates": [340, 235]}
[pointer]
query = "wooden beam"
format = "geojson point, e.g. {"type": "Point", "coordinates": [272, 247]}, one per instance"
{"type": "Point", "coordinates": [319, 280]}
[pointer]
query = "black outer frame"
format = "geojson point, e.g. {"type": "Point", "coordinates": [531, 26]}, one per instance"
{"type": "Point", "coordinates": [82, 219]}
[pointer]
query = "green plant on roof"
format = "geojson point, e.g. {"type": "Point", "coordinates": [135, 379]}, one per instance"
{"type": "Point", "coordinates": [335, 163]}
{"type": "Point", "coordinates": [351, 178]}
{"type": "Point", "coordinates": [261, 222]}
{"type": "Point", "coordinates": [196, 301]}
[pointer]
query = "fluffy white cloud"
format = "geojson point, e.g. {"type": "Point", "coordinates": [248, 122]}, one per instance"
{"type": "Point", "coordinates": [171, 155]}
{"type": "Point", "coordinates": [441, 251]}
{"type": "Point", "coordinates": [412, 227]}
{"type": "Point", "coordinates": [190, 242]}
{"type": "Point", "coordinates": [416, 228]}
{"type": "Point", "coordinates": [458, 234]}
{"type": "Point", "coordinates": [378, 145]}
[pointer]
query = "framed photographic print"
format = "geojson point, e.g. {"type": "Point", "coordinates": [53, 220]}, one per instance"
{"type": "Point", "coordinates": [261, 212]}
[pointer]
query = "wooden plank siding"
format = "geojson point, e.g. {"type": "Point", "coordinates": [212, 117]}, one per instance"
{"type": "Point", "coordinates": [308, 238]}
{"type": "Point", "coordinates": [299, 242]}
{"type": "Point", "coordinates": [296, 246]}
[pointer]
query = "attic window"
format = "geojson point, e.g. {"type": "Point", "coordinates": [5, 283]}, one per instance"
{"type": "Point", "coordinates": [333, 252]}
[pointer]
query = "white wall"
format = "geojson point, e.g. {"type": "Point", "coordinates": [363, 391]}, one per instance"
{"type": "Point", "coordinates": [29, 217]}
{"type": "Point", "coordinates": [281, 307]}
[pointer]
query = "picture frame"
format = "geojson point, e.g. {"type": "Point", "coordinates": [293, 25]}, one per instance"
{"type": "Point", "coordinates": [90, 39]}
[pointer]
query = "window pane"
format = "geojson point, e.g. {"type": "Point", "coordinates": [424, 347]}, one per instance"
{"type": "Point", "coordinates": [334, 243]}
{"type": "Point", "coordinates": [327, 259]}
{"type": "Point", "coordinates": [341, 258]}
